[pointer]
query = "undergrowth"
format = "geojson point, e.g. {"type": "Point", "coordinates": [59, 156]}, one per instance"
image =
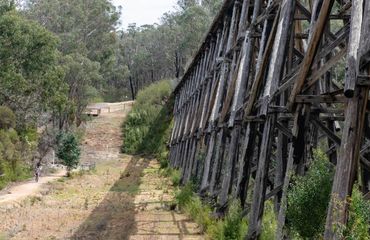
{"type": "Point", "coordinates": [269, 222]}
{"type": "Point", "coordinates": [13, 166]}
{"type": "Point", "coordinates": [232, 227]}
{"type": "Point", "coordinates": [359, 217]}
{"type": "Point", "coordinates": [147, 127]}
{"type": "Point", "coordinates": [308, 198]}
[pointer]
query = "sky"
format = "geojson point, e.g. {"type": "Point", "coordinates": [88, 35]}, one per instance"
{"type": "Point", "coordinates": [143, 11]}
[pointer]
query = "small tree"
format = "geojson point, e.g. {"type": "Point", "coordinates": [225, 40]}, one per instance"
{"type": "Point", "coordinates": [308, 198]}
{"type": "Point", "coordinates": [68, 150]}
{"type": "Point", "coordinates": [7, 118]}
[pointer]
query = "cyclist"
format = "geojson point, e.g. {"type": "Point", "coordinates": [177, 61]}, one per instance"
{"type": "Point", "coordinates": [37, 171]}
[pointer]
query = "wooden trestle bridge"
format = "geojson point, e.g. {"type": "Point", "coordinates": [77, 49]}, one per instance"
{"type": "Point", "coordinates": [272, 79]}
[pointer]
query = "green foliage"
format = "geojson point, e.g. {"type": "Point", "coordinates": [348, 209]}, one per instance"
{"type": "Point", "coordinates": [269, 222]}
{"type": "Point", "coordinates": [162, 157]}
{"type": "Point", "coordinates": [88, 29]}
{"type": "Point", "coordinates": [147, 127]}
{"type": "Point", "coordinates": [154, 52]}
{"type": "Point", "coordinates": [6, 6]}
{"type": "Point", "coordinates": [81, 74]}
{"type": "Point", "coordinates": [84, 27]}
{"type": "Point", "coordinates": [309, 196]}
{"type": "Point", "coordinates": [68, 150]}
{"type": "Point", "coordinates": [12, 168]}
{"type": "Point", "coordinates": [7, 118]}
{"type": "Point", "coordinates": [235, 226]}
{"type": "Point", "coordinates": [232, 227]}
{"type": "Point", "coordinates": [30, 78]}
{"type": "Point", "coordinates": [176, 177]}
{"type": "Point", "coordinates": [359, 217]}
{"type": "Point", "coordinates": [200, 213]}
{"type": "Point", "coordinates": [184, 195]}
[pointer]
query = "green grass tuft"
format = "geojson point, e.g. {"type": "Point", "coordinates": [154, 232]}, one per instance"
{"type": "Point", "coordinates": [232, 227]}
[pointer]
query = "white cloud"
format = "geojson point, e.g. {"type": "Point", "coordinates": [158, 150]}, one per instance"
{"type": "Point", "coordinates": [143, 11]}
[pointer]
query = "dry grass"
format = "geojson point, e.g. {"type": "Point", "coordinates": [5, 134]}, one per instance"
{"type": "Point", "coordinates": [125, 198]}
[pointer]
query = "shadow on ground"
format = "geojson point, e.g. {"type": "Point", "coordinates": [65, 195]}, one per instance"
{"type": "Point", "coordinates": [114, 217]}
{"type": "Point", "coordinates": [133, 209]}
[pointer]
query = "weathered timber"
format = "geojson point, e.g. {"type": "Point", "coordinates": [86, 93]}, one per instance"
{"type": "Point", "coordinates": [312, 49]}
{"type": "Point", "coordinates": [271, 85]}
{"type": "Point", "coordinates": [352, 133]}
{"type": "Point", "coordinates": [261, 88]}
{"type": "Point", "coordinates": [353, 46]}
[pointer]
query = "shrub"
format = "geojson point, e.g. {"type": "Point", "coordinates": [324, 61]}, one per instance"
{"type": "Point", "coordinates": [269, 222]}
{"type": "Point", "coordinates": [163, 159]}
{"type": "Point", "coordinates": [147, 127]}
{"type": "Point", "coordinates": [184, 195]}
{"type": "Point", "coordinates": [200, 212]}
{"type": "Point", "coordinates": [235, 227]}
{"type": "Point", "coordinates": [11, 174]}
{"type": "Point", "coordinates": [359, 217]}
{"type": "Point", "coordinates": [7, 118]}
{"type": "Point", "coordinates": [68, 150]}
{"type": "Point", "coordinates": [176, 177]}
{"type": "Point", "coordinates": [232, 227]}
{"type": "Point", "coordinates": [11, 166]}
{"type": "Point", "coordinates": [309, 196]}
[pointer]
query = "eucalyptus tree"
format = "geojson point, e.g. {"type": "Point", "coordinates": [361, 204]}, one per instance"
{"type": "Point", "coordinates": [155, 52]}
{"type": "Point", "coordinates": [30, 79]}
{"type": "Point", "coordinates": [87, 30]}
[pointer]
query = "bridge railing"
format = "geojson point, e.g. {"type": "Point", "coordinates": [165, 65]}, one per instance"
{"type": "Point", "coordinates": [99, 108]}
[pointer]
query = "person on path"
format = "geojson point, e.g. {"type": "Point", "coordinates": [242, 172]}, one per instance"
{"type": "Point", "coordinates": [37, 171]}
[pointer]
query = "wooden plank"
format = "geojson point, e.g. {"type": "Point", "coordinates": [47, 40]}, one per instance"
{"type": "Point", "coordinates": [327, 131]}
{"type": "Point", "coordinates": [273, 192]}
{"type": "Point", "coordinates": [311, 51]}
{"type": "Point", "coordinates": [297, 127]}
{"type": "Point", "coordinates": [261, 69]}
{"type": "Point", "coordinates": [228, 170]}
{"type": "Point", "coordinates": [351, 139]}
{"type": "Point", "coordinates": [217, 161]}
{"type": "Point", "coordinates": [255, 218]}
{"type": "Point", "coordinates": [284, 130]}
{"type": "Point", "coordinates": [278, 54]}
{"type": "Point", "coordinates": [353, 46]}
{"type": "Point", "coordinates": [326, 67]}
{"type": "Point", "coordinates": [320, 99]}
{"type": "Point", "coordinates": [207, 164]}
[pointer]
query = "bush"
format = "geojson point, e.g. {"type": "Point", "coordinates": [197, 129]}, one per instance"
{"type": "Point", "coordinates": [68, 150]}
{"type": "Point", "coordinates": [147, 127]}
{"type": "Point", "coordinates": [163, 159]}
{"type": "Point", "coordinates": [176, 177]}
{"type": "Point", "coordinates": [184, 195]}
{"type": "Point", "coordinates": [269, 222]}
{"type": "Point", "coordinates": [232, 227]}
{"type": "Point", "coordinates": [7, 118]}
{"type": "Point", "coordinates": [308, 198]}
{"type": "Point", "coordinates": [359, 217]}
{"type": "Point", "coordinates": [235, 227]}
{"type": "Point", "coordinates": [199, 212]}
{"type": "Point", "coordinates": [12, 167]}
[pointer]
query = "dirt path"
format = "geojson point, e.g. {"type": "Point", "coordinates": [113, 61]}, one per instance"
{"type": "Point", "coordinates": [23, 190]}
{"type": "Point", "coordinates": [123, 199]}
